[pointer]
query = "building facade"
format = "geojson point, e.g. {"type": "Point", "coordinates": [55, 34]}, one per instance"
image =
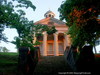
{"type": "Point", "coordinates": [54, 44]}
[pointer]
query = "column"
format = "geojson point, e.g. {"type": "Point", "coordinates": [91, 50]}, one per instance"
{"type": "Point", "coordinates": [45, 43]}
{"type": "Point", "coordinates": [34, 40]}
{"type": "Point", "coordinates": [67, 41]}
{"type": "Point", "coordinates": [56, 44]}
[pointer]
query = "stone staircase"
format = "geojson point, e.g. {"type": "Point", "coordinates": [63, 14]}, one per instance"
{"type": "Point", "coordinates": [51, 65]}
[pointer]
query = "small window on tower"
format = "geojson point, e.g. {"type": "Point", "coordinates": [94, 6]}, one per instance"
{"type": "Point", "coordinates": [49, 15]}
{"type": "Point", "coordinates": [46, 15]}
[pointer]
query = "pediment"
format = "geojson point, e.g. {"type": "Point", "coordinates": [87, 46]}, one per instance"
{"type": "Point", "coordinates": [43, 21]}
{"type": "Point", "coordinates": [50, 22]}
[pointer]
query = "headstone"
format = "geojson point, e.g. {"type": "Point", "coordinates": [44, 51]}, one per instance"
{"type": "Point", "coordinates": [32, 60]}
{"type": "Point", "coordinates": [22, 60]}
{"type": "Point", "coordinates": [86, 60]}
{"type": "Point", "coordinates": [27, 60]}
{"type": "Point", "coordinates": [37, 52]}
{"type": "Point", "coordinates": [69, 58]}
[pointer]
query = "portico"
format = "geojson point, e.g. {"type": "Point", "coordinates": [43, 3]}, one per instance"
{"type": "Point", "coordinates": [54, 46]}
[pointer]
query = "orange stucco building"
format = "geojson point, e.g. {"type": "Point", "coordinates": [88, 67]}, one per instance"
{"type": "Point", "coordinates": [55, 44]}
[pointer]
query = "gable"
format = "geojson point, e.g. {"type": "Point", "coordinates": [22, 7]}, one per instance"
{"type": "Point", "coordinates": [50, 21]}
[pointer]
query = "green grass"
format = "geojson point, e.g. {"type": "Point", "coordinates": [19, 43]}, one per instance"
{"type": "Point", "coordinates": [8, 53]}
{"type": "Point", "coordinates": [8, 62]}
{"type": "Point", "coordinates": [8, 58]}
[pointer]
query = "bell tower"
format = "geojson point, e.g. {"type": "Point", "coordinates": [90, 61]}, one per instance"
{"type": "Point", "coordinates": [49, 14]}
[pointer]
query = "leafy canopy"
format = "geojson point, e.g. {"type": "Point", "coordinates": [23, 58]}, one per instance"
{"type": "Point", "coordinates": [82, 18]}
{"type": "Point", "coordinates": [11, 18]}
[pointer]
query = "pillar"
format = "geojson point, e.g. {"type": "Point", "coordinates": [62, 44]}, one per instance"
{"type": "Point", "coordinates": [56, 44]}
{"type": "Point", "coordinates": [67, 41]}
{"type": "Point", "coordinates": [44, 43]}
{"type": "Point", "coordinates": [34, 40]}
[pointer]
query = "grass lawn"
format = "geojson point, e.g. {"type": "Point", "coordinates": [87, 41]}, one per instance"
{"type": "Point", "coordinates": [53, 65]}
{"type": "Point", "coordinates": [8, 63]}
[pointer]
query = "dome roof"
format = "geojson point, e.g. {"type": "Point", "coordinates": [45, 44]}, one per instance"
{"type": "Point", "coordinates": [49, 14]}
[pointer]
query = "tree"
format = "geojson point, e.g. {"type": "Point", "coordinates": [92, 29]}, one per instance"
{"type": "Point", "coordinates": [15, 19]}
{"type": "Point", "coordinates": [3, 49]}
{"type": "Point", "coordinates": [25, 28]}
{"type": "Point", "coordinates": [39, 29]}
{"type": "Point", "coordinates": [28, 32]}
{"type": "Point", "coordinates": [82, 18]}
{"type": "Point", "coordinates": [10, 18]}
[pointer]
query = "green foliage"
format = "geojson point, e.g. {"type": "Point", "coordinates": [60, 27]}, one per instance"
{"type": "Point", "coordinates": [81, 17]}
{"type": "Point", "coordinates": [69, 6]}
{"type": "Point", "coordinates": [38, 29]}
{"type": "Point", "coordinates": [51, 30]}
{"type": "Point", "coordinates": [27, 31]}
{"type": "Point", "coordinates": [37, 42]}
{"type": "Point", "coordinates": [15, 19]}
{"type": "Point", "coordinates": [10, 18]}
{"type": "Point", "coordinates": [25, 35]}
{"type": "Point", "coordinates": [25, 3]}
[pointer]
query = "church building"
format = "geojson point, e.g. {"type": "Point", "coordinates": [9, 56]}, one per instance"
{"type": "Point", "coordinates": [56, 43]}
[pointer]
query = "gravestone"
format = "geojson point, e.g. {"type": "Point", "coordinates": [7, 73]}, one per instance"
{"type": "Point", "coordinates": [86, 60]}
{"type": "Point", "coordinates": [69, 57]}
{"type": "Point", "coordinates": [22, 60]}
{"type": "Point", "coordinates": [33, 60]}
{"type": "Point", "coordinates": [27, 60]}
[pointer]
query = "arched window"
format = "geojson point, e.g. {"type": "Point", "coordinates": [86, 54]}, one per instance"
{"type": "Point", "coordinates": [50, 15]}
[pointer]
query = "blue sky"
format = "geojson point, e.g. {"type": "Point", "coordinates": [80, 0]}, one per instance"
{"type": "Point", "coordinates": [42, 6]}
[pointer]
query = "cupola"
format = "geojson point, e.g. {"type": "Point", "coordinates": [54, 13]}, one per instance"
{"type": "Point", "coordinates": [49, 14]}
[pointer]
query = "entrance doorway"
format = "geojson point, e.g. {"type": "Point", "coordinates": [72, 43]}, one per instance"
{"type": "Point", "coordinates": [50, 50]}
{"type": "Point", "coordinates": [61, 49]}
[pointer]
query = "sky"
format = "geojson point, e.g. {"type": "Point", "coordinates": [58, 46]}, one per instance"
{"type": "Point", "coordinates": [42, 6]}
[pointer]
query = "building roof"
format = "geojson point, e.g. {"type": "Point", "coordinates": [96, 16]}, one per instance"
{"type": "Point", "coordinates": [50, 20]}
{"type": "Point", "coordinates": [57, 21]}
{"type": "Point", "coordinates": [49, 12]}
